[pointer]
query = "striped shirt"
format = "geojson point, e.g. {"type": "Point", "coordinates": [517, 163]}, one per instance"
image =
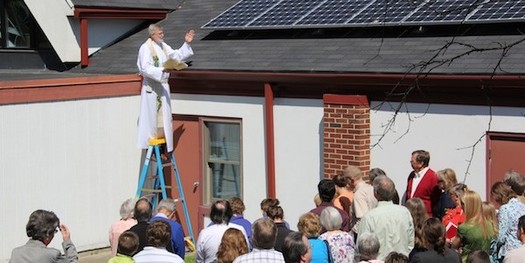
{"type": "Point", "coordinates": [261, 255]}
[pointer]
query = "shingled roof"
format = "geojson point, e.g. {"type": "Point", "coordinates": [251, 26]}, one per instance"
{"type": "Point", "coordinates": [353, 52]}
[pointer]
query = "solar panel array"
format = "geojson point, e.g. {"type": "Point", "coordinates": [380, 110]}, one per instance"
{"type": "Point", "coordinates": [260, 14]}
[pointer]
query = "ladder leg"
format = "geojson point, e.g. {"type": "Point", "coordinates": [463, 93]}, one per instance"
{"type": "Point", "coordinates": [160, 172]}
{"type": "Point", "coordinates": [144, 171]}
{"type": "Point", "coordinates": [182, 197]}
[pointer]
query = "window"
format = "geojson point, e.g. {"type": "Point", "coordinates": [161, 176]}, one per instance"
{"type": "Point", "coordinates": [223, 162]}
{"type": "Point", "coordinates": [17, 26]}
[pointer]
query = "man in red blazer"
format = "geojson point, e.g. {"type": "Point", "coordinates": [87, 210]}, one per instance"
{"type": "Point", "coordinates": [422, 181]}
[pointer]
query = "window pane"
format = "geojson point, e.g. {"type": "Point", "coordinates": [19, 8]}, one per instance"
{"type": "Point", "coordinates": [19, 22]}
{"type": "Point", "coordinates": [224, 159]}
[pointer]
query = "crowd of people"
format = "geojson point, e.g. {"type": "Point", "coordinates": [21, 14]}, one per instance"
{"type": "Point", "coordinates": [354, 220]}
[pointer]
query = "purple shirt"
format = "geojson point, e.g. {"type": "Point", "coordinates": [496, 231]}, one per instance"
{"type": "Point", "coordinates": [240, 220]}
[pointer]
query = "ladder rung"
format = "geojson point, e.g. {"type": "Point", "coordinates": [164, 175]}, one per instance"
{"type": "Point", "coordinates": [150, 190]}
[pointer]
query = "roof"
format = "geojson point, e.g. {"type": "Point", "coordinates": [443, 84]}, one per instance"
{"type": "Point", "coordinates": [136, 4]}
{"type": "Point", "coordinates": [274, 51]}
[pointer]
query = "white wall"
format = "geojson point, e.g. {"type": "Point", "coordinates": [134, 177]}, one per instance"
{"type": "Point", "coordinates": [298, 126]}
{"type": "Point", "coordinates": [76, 158]}
{"type": "Point", "coordinates": [446, 131]}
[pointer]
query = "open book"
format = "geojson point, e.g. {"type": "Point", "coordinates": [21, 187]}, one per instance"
{"type": "Point", "coordinates": [174, 64]}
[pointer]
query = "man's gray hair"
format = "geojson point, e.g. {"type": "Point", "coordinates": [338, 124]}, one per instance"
{"type": "Point", "coordinates": [154, 28]}
{"type": "Point", "coordinates": [353, 172]}
{"type": "Point", "coordinates": [516, 181]}
{"type": "Point", "coordinates": [168, 204]}
{"type": "Point", "coordinates": [384, 188]}
{"type": "Point", "coordinates": [367, 247]}
{"type": "Point", "coordinates": [126, 209]}
{"type": "Point", "coordinates": [331, 219]}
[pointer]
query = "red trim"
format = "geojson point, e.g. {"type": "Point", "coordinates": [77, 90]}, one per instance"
{"type": "Point", "coordinates": [503, 90]}
{"type": "Point", "coordinates": [84, 56]}
{"type": "Point", "coordinates": [363, 79]}
{"type": "Point", "coordinates": [12, 92]}
{"type": "Point", "coordinates": [355, 100]}
{"type": "Point", "coordinates": [150, 14]}
{"type": "Point", "coordinates": [487, 165]}
{"type": "Point", "coordinates": [270, 140]}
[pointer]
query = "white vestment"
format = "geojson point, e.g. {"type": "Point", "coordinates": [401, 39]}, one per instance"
{"type": "Point", "coordinates": [155, 84]}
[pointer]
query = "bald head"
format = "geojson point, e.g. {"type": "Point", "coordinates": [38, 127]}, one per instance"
{"type": "Point", "coordinates": [143, 210]}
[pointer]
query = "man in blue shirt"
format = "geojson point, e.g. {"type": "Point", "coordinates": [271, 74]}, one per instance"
{"type": "Point", "coordinates": [166, 212]}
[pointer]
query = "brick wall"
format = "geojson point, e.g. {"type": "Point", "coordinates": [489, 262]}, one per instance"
{"type": "Point", "coordinates": [346, 133]}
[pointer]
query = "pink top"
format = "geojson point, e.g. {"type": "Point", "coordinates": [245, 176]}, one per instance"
{"type": "Point", "coordinates": [116, 229]}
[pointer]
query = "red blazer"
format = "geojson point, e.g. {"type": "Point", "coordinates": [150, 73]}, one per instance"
{"type": "Point", "coordinates": [427, 190]}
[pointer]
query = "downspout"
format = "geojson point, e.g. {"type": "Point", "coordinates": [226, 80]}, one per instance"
{"type": "Point", "coordinates": [84, 58]}
{"type": "Point", "coordinates": [270, 140]}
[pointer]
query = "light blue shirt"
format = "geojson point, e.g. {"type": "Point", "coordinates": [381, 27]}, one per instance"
{"type": "Point", "coordinates": [508, 216]}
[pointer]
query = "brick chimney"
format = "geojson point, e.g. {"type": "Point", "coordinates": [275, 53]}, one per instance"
{"type": "Point", "coordinates": [346, 133]}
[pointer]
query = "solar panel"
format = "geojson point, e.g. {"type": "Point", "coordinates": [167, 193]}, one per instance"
{"type": "Point", "coordinates": [386, 11]}
{"type": "Point", "coordinates": [285, 13]}
{"type": "Point", "coordinates": [334, 12]}
{"type": "Point", "coordinates": [444, 11]}
{"type": "Point", "coordinates": [257, 14]}
{"type": "Point", "coordinates": [499, 10]}
{"type": "Point", "coordinates": [241, 14]}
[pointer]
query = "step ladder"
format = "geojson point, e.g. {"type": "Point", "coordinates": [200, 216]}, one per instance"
{"type": "Point", "coordinates": [159, 184]}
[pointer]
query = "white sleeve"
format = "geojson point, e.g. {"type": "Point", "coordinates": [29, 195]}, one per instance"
{"type": "Point", "coordinates": [180, 54]}
{"type": "Point", "coordinates": [146, 66]}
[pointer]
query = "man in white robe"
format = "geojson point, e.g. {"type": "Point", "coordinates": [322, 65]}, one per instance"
{"type": "Point", "coordinates": [155, 106]}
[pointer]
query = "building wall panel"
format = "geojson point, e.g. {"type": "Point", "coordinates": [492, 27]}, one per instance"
{"type": "Point", "coordinates": [77, 158]}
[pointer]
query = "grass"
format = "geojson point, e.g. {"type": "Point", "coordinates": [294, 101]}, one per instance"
{"type": "Point", "coordinates": [189, 257]}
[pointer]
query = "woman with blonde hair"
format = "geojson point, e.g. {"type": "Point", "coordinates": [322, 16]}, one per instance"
{"type": "Point", "coordinates": [233, 244]}
{"type": "Point", "coordinates": [446, 180]}
{"type": "Point", "coordinates": [310, 225]}
{"type": "Point", "coordinates": [476, 233]}
{"type": "Point", "coordinates": [419, 214]}
{"type": "Point", "coordinates": [489, 214]}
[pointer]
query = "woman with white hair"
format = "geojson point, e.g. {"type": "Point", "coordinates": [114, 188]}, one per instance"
{"type": "Point", "coordinates": [341, 243]}
{"type": "Point", "coordinates": [367, 249]}
{"type": "Point", "coordinates": [125, 222]}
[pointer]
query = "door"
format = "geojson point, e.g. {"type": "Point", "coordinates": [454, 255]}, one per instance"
{"type": "Point", "coordinates": [187, 145]}
{"type": "Point", "coordinates": [505, 152]}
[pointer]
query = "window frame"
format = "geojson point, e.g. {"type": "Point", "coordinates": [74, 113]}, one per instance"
{"type": "Point", "coordinates": [34, 33]}
{"type": "Point", "coordinates": [207, 190]}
